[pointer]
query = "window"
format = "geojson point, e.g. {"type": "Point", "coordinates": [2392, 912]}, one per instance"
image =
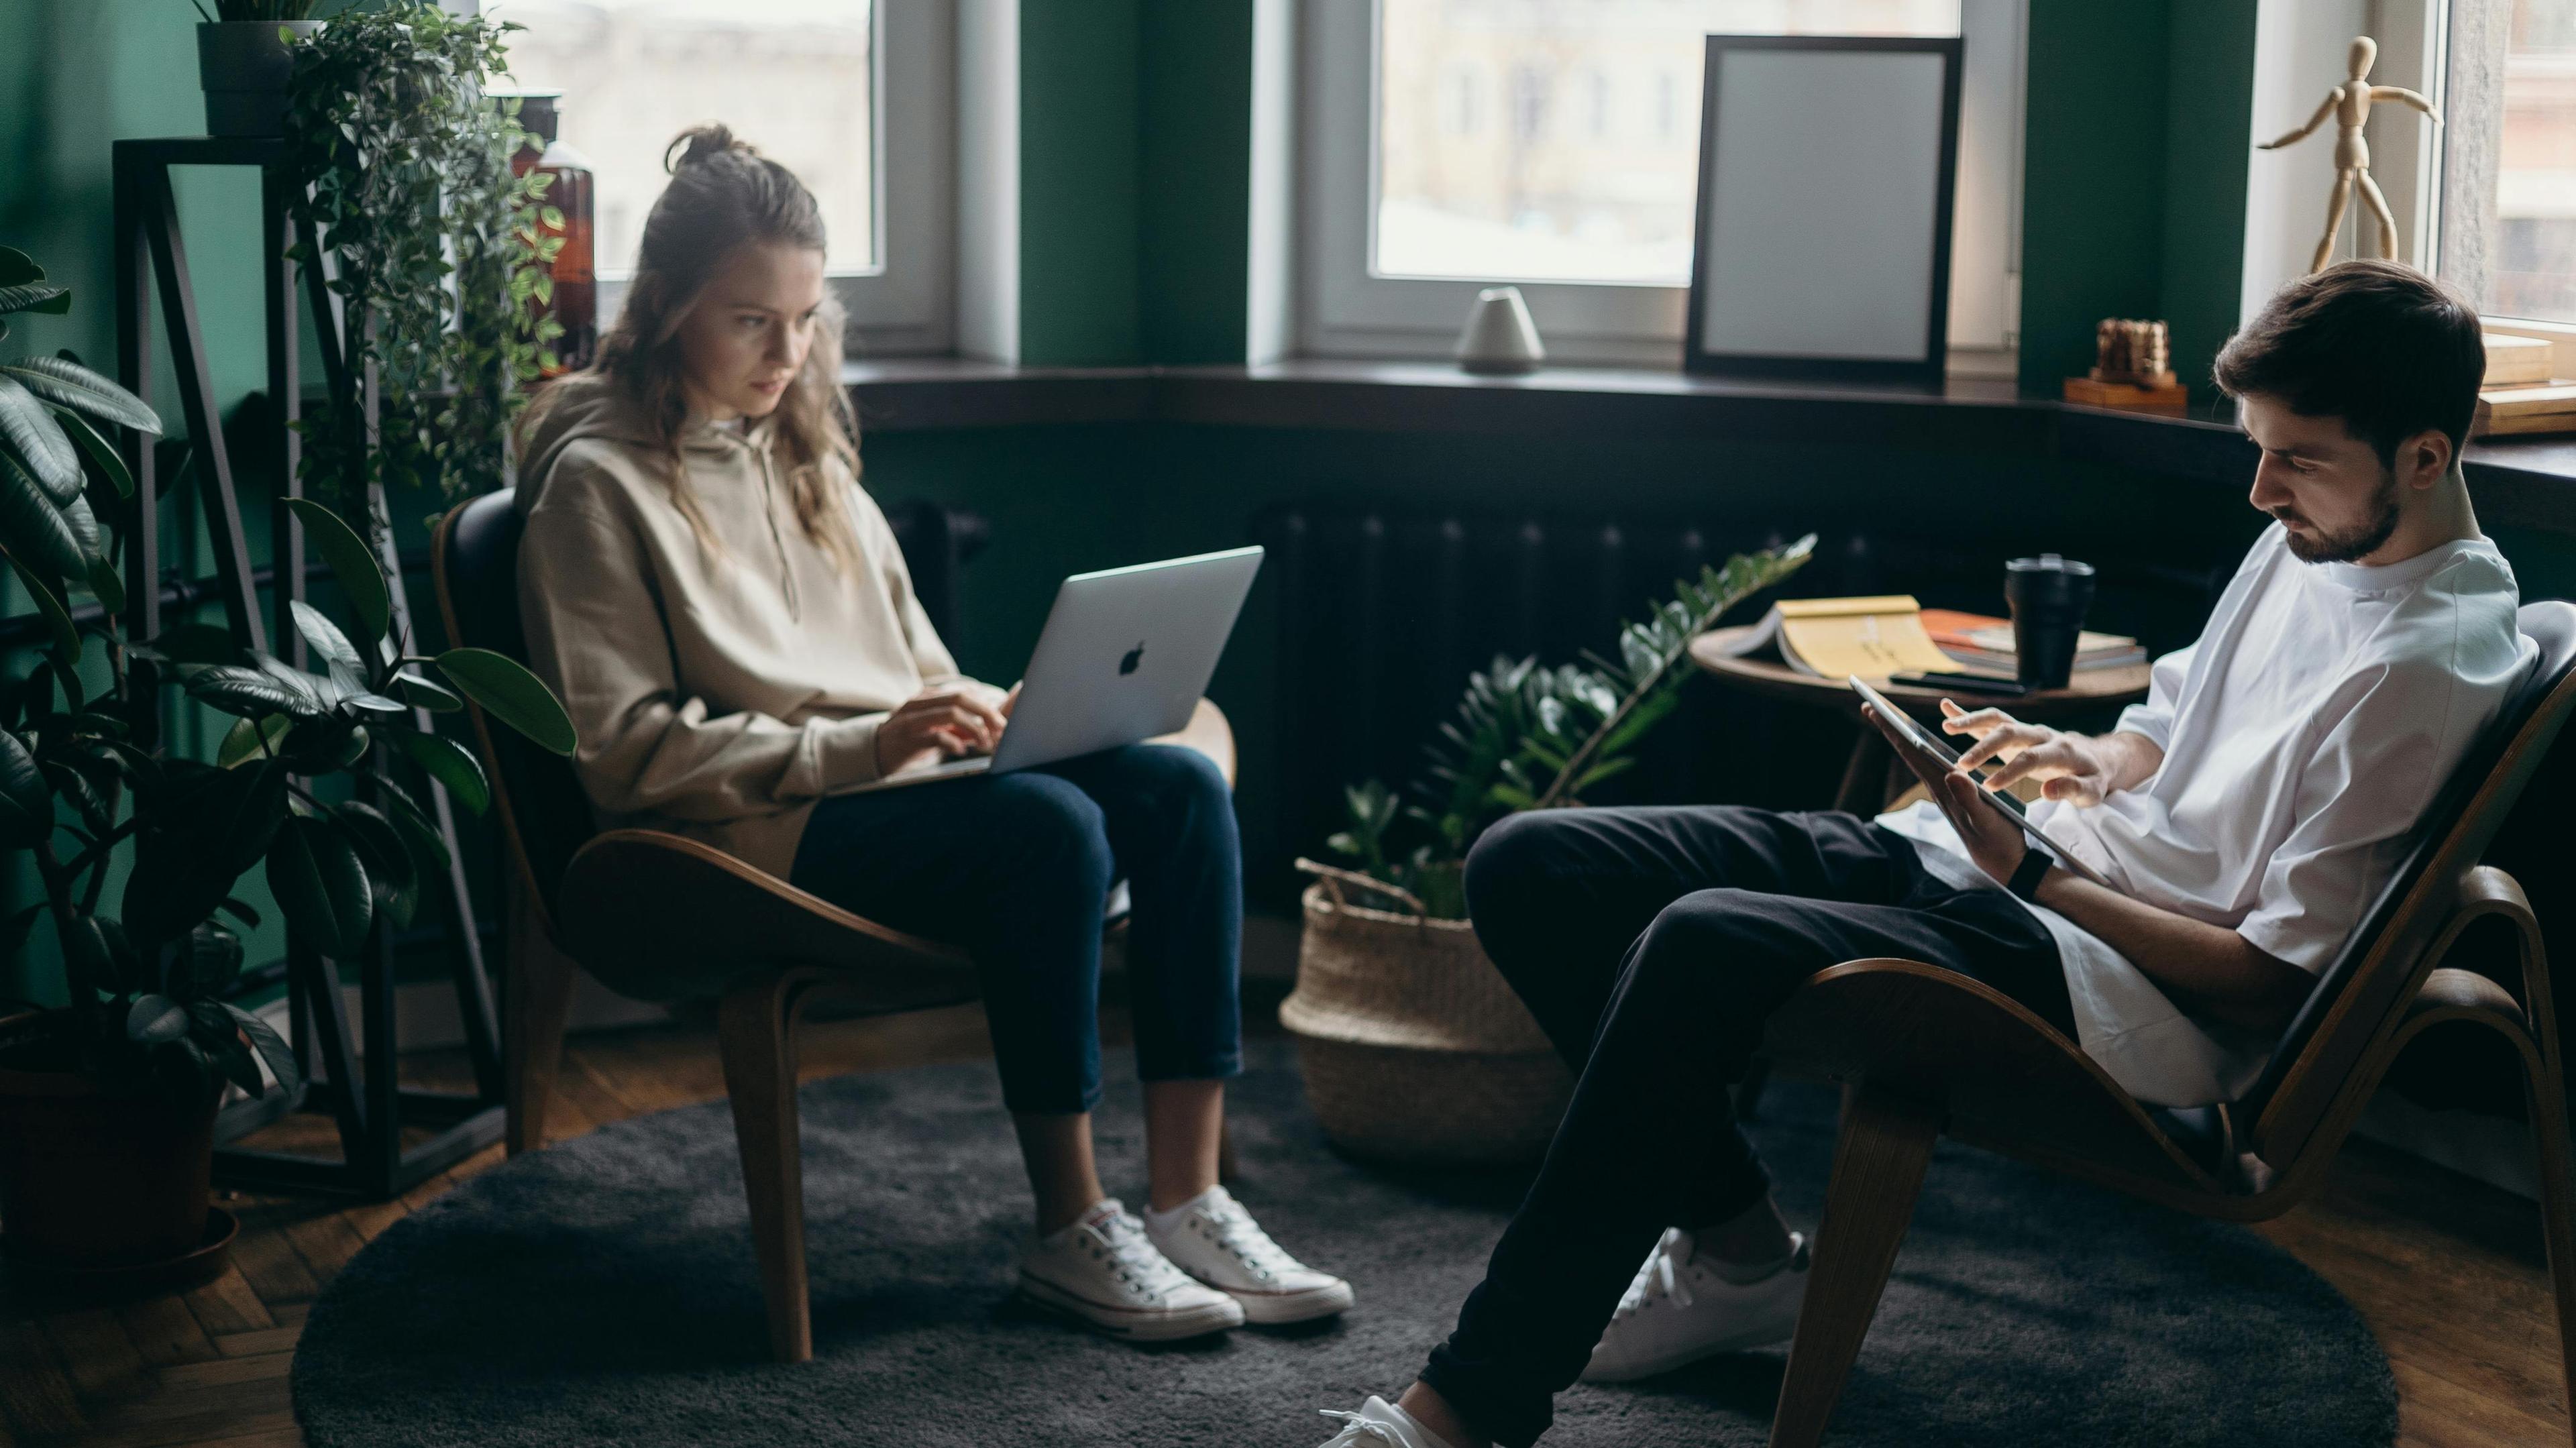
{"type": "Point", "coordinates": [809, 83]}
{"type": "Point", "coordinates": [2510, 171]}
{"type": "Point", "coordinates": [1583, 188]}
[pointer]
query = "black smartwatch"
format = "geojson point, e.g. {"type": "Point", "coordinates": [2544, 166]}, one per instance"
{"type": "Point", "coordinates": [2034, 867]}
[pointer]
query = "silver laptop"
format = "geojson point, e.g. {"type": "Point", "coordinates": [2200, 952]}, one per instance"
{"type": "Point", "coordinates": [1125, 655]}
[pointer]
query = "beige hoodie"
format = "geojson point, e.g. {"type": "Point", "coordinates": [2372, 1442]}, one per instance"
{"type": "Point", "coordinates": [716, 695]}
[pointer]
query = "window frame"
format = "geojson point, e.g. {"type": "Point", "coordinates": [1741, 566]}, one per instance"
{"type": "Point", "coordinates": [905, 303]}
{"type": "Point", "coordinates": [1345, 309]}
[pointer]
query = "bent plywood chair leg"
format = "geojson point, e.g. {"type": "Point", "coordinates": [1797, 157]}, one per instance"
{"type": "Point", "coordinates": [535, 997]}
{"type": "Point", "coordinates": [1878, 1167]}
{"type": "Point", "coordinates": [756, 1029]}
{"type": "Point", "coordinates": [2545, 1091]}
{"type": "Point", "coordinates": [2548, 1100]}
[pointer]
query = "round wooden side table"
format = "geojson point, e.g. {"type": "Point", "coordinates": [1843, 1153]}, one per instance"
{"type": "Point", "coordinates": [1874, 775]}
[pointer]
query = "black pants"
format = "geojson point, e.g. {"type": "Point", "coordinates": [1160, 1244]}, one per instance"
{"type": "Point", "coordinates": [1652, 945]}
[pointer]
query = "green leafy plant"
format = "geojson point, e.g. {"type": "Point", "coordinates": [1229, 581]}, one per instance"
{"type": "Point", "coordinates": [1527, 737]}
{"type": "Point", "coordinates": [80, 794]}
{"type": "Point", "coordinates": [280, 10]}
{"type": "Point", "coordinates": [404, 170]}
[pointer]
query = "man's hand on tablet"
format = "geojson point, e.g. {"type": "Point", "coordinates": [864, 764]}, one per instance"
{"type": "Point", "coordinates": [2075, 769]}
{"type": "Point", "coordinates": [1992, 841]}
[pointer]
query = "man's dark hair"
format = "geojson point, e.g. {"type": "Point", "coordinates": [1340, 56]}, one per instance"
{"type": "Point", "coordinates": [2378, 344]}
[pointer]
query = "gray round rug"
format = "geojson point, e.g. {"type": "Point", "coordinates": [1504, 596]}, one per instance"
{"type": "Point", "coordinates": [602, 1292]}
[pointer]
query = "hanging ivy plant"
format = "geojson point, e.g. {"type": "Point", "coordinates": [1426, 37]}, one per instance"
{"type": "Point", "coordinates": [405, 166]}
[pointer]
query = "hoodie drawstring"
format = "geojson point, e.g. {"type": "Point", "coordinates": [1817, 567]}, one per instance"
{"type": "Point", "coordinates": [769, 509]}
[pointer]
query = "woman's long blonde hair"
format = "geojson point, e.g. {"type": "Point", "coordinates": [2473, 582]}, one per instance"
{"type": "Point", "coordinates": [724, 195]}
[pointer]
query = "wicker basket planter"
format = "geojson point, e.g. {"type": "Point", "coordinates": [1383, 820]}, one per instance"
{"type": "Point", "coordinates": [1415, 1050]}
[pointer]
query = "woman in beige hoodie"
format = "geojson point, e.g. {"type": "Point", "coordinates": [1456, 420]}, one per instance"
{"type": "Point", "coordinates": [728, 619]}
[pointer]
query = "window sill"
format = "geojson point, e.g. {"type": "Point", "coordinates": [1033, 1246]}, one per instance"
{"type": "Point", "coordinates": [2517, 482]}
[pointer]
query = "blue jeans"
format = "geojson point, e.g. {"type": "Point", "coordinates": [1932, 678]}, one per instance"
{"type": "Point", "coordinates": [1017, 869]}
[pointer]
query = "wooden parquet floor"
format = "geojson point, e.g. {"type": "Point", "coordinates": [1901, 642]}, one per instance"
{"type": "Point", "coordinates": [2446, 1270]}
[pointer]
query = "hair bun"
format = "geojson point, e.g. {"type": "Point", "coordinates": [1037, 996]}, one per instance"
{"type": "Point", "coordinates": [699, 144]}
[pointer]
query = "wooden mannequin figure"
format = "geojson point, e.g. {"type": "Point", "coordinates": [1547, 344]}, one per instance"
{"type": "Point", "coordinates": [2349, 104]}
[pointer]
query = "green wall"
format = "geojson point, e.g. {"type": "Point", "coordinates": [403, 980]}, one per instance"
{"type": "Point", "coordinates": [1080, 153]}
{"type": "Point", "coordinates": [2209, 108]}
{"type": "Point", "coordinates": [73, 78]}
{"type": "Point", "coordinates": [2133, 181]}
{"type": "Point", "coordinates": [1135, 130]}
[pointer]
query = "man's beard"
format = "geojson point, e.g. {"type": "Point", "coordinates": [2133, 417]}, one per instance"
{"type": "Point", "coordinates": [2354, 543]}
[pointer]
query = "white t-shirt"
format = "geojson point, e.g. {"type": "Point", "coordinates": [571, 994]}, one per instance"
{"type": "Point", "coordinates": [2304, 735]}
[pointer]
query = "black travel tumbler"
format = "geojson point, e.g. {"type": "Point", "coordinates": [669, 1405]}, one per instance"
{"type": "Point", "coordinates": [2048, 596]}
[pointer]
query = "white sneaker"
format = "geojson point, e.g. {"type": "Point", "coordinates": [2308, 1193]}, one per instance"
{"type": "Point", "coordinates": [1679, 1311]}
{"type": "Point", "coordinates": [1381, 1424]}
{"type": "Point", "coordinates": [1103, 1270]}
{"type": "Point", "coordinates": [1212, 1238]}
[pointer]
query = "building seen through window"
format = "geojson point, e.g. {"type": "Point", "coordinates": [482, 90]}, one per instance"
{"type": "Point", "coordinates": [794, 77]}
{"type": "Point", "coordinates": [1585, 166]}
{"type": "Point", "coordinates": [2533, 249]}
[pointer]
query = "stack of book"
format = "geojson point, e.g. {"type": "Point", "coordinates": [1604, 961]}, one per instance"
{"type": "Point", "coordinates": [1985, 643]}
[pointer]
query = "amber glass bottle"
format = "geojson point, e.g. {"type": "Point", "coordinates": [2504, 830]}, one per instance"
{"type": "Point", "coordinates": [575, 303]}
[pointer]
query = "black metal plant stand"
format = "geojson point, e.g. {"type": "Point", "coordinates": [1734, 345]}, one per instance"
{"type": "Point", "coordinates": [361, 1089]}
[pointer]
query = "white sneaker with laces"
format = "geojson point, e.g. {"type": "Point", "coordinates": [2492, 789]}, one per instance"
{"type": "Point", "coordinates": [1104, 1271]}
{"type": "Point", "coordinates": [1212, 1238]}
{"type": "Point", "coordinates": [1381, 1424]}
{"type": "Point", "coordinates": [1679, 1311]}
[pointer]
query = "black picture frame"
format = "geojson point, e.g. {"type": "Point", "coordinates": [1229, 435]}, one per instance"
{"type": "Point", "coordinates": [1929, 369]}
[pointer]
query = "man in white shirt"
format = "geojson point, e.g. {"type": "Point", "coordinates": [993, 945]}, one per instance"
{"type": "Point", "coordinates": [2248, 813]}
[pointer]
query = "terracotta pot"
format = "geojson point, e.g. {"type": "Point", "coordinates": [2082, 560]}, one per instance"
{"type": "Point", "coordinates": [90, 1181]}
{"type": "Point", "coordinates": [244, 67]}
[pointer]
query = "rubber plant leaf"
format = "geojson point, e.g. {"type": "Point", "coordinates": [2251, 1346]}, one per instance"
{"type": "Point", "coordinates": [351, 561]}
{"type": "Point", "coordinates": [101, 453]}
{"type": "Point", "coordinates": [153, 1019]}
{"type": "Point", "coordinates": [17, 268]}
{"type": "Point", "coordinates": [67, 636]}
{"type": "Point", "coordinates": [320, 884]}
{"type": "Point", "coordinates": [61, 380]}
{"type": "Point", "coordinates": [40, 442]}
{"type": "Point", "coordinates": [388, 860]}
{"type": "Point", "coordinates": [47, 297]}
{"type": "Point", "coordinates": [509, 693]}
{"type": "Point", "coordinates": [451, 764]}
{"type": "Point", "coordinates": [337, 652]}
{"type": "Point", "coordinates": [31, 526]}
{"type": "Point", "coordinates": [419, 691]}
{"type": "Point", "coordinates": [250, 693]}
{"type": "Point", "coordinates": [271, 1046]}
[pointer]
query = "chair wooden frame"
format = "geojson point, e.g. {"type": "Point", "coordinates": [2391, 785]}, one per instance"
{"type": "Point", "coordinates": [1922, 1052]}
{"type": "Point", "coordinates": [637, 904]}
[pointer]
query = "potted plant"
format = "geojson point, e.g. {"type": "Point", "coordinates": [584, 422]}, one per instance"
{"type": "Point", "coordinates": [1412, 1045]}
{"type": "Point", "coordinates": [107, 1100]}
{"type": "Point", "coordinates": [244, 57]}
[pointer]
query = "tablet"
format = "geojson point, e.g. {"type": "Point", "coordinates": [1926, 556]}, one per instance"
{"type": "Point", "coordinates": [2013, 809]}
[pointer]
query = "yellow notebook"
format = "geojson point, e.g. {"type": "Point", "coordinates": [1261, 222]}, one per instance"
{"type": "Point", "coordinates": [1872, 637]}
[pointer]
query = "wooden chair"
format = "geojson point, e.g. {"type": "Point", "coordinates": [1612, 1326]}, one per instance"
{"type": "Point", "coordinates": [1921, 1051]}
{"type": "Point", "coordinates": [646, 912]}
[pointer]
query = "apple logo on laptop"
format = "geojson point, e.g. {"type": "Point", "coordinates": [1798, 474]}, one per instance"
{"type": "Point", "coordinates": [1134, 656]}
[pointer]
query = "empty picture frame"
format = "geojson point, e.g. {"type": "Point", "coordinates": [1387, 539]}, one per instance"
{"type": "Point", "coordinates": [1825, 171]}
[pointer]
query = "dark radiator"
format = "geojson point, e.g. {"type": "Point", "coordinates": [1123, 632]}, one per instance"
{"type": "Point", "coordinates": [1383, 613]}
{"type": "Point", "coordinates": [937, 542]}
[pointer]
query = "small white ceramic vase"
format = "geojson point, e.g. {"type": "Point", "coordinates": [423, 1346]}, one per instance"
{"type": "Point", "coordinates": [1500, 338]}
